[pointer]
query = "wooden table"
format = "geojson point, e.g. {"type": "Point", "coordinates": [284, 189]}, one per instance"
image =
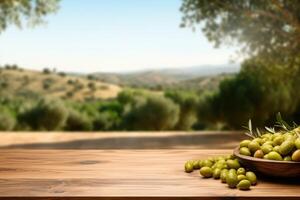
{"type": "Point", "coordinates": [118, 174]}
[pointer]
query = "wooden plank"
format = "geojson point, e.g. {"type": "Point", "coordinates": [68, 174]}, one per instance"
{"type": "Point", "coordinates": [118, 174]}
{"type": "Point", "coordinates": [121, 140]}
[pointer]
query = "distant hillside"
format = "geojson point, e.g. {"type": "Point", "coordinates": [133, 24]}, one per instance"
{"type": "Point", "coordinates": [201, 83]}
{"type": "Point", "coordinates": [201, 76]}
{"type": "Point", "coordinates": [20, 82]}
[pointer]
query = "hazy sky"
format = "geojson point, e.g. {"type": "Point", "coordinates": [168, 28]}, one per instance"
{"type": "Point", "coordinates": [110, 35]}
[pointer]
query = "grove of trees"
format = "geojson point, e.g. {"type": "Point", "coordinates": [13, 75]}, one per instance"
{"type": "Point", "coordinates": [268, 34]}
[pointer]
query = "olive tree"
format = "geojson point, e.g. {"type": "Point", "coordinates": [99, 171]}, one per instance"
{"type": "Point", "coordinates": [7, 121]}
{"type": "Point", "coordinates": [187, 105]}
{"type": "Point", "coordinates": [151, 113]}
{"type": "Point", "coordinates": [48, 114]}
{"type": "Point", "coordinates": [268, 28]}
{"type": "Point", "coordinates": [19, 12]}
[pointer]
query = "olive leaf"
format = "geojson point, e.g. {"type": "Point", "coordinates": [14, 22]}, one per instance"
{"type": "Point", "coordinates": [281, 123]}
{"type": "Point", "coordinates": [295, 125]}
{"type": "Point", "coordinates": [250, 132]}
{"type": "Point", "coordinates": [270, 129]}
{"type": "Point", "coordinates": [258, 132]}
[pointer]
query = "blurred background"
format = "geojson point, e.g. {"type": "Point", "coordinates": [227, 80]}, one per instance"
{"type": "Point", "coordinates": [145, 74]}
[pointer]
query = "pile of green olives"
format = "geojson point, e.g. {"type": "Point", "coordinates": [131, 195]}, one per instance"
{"type": "Point", "coordinates": [225, 168]}
{"type": "Point", "coordinates": [281, 146]}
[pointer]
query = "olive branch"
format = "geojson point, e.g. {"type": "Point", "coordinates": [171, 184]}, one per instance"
{"type": "Point", "coordinates": [279, 123]}
{"type": "Point", "coordinates": [250, 132]}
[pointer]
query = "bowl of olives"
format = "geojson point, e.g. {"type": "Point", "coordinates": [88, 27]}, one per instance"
{"type": "Point", "coordinates": [273, 153]}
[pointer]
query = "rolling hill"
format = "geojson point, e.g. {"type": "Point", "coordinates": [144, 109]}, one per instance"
{"type": "Point", "coordinates": [20, 82]}
{"type": "Point", "coordinates": [189, 77]}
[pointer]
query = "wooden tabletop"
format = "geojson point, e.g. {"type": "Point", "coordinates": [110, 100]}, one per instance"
{"type": "Point", "coordinates": [118, 174]}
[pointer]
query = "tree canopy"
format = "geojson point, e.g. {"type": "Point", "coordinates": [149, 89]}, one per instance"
{"type": "Point", "coordinates": [268, 28]}
{"type": "Point", "coordinates": [20, 12]}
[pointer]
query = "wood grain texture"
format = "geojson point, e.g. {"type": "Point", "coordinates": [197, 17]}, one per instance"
{"type": "Point", "coordinates": [122, 140]}
{"type": "Point", "coordinates": [118, 174]}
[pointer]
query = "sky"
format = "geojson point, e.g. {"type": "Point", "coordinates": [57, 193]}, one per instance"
{"type": "Point", "coordinates": [111, 36]}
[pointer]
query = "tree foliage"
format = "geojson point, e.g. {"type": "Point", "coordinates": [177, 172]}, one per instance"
{"type": "Point", "coordinates": [7, 121]}
{"type": "Point", "coordinates": [258, 92]}
{"type": "Point", "coordinates": [18, 12]}
{"type": "Point", "coordinates": [267, 28]}
{"type": "Point", "coordinates": [151, 113]}
{"type": "Point", "coordinates": [46, 115]}
{"type": "Point", "coordinates": [77, 121]}
{"type": "Point", "coordinates": [187, 102]}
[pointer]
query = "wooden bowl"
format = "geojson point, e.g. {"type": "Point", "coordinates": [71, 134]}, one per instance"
{"type": "Point", "coordinates": [287, 169]}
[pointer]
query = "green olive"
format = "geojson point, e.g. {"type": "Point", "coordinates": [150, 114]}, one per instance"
{"type": "Point", "coordinates": [277, 134]}
{"type": "Point", "coordinates": [233, 164]}
{"type": "Point", "coordinates": [222, 161]}
{"type": "Point", "coordinates": [289, 136]}
{"type": "Point", "coordinates": [268, 143]}
{"type": "Point", "coordinates": [286, 147]}
{"type": "Point", "coordinates": [244, 185]}
{"type": "Point", "coordinates": [244, 143]}
{"type": "Point", "coordinates": [259, 154]}
{"type": "Point", "coordinates": [220, 158]}
{"type": "Point", "coordinates": [212, 159]}
{"type": "Point", "coordinates": [253, 146]}
{"type": "Point", "coordinates": [266, 156]}
{"type": "Point", "coordinates": [267, 135]}
{"type": "Point", "coordinates": [278, 140]}
{"type": "Point", "coordinates": [207, 163]}
{"type": "Point", "coordinates": [296, 156]}
{"type": "Point", "coordinates": [217, 173]}
{"type": "Point", "coordinates": [231, 179]}
{"type": "Point", "coordinates": [245, 151]}
{"type": "Point", "coordinates": [221, 165]}
{"type": "Point", "coordinates": [240, 171]}
{"type": "Point", "coordinates": [188, 167]}
{"type": "Point", "coordinates": [229, 157]}
{"type": "Point", "coordinates": [258, 140]}
{"type": "Point", "coordinates": [297, 143]}
{"type": "Point", "coordinates": [287, 158]}
{"type": "Point", "coordinates": [196, 164]}
{"type": "Point", "coordinates": [251, 177]}
{"type": "Point", "coordinates": [241, 177]}
{"type": "Point", "coordinates": [223, 175]}
{"type": "Point", "coordinates": [201, 163]}
{"type": "Point", "coordinates": [206, 172]}
{"type": "Point", "coordinates": [232, 170]}
{"type": "Point", "coordinates": [276, 148]}
{"type": "Point", "coordinates": [273, 155]}
{"type": "Point", "coordinates": [266, 148]}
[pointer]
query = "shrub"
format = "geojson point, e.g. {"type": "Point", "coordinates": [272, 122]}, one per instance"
{"type": "Point", "coordinates": [46, 71]}
{"type": "Point", "coordinates": [78, 121]}
{"type": "Point", "coordinates": [187, 102]}
{"type": "Point", "coordinates": [47, 83]}
{"type": "Point", "coordinates": [70, 82]}
{"type": "Point", "coordinates": [46, 115]}
{"type": "Point", "coordinates": [92, 86]}
{"type": "Point", "coordinates": [91, 77]}
{"type": "Point", "coordinates": [62, 74]}
{"type": "Point", "coordinates": [14, 67]}
{"type": "Point", "coordinates": [152, 113]}
{"type": "Point", "coordinates": [4, 84]}
{"type": "Point", "coordinates": [106, 121]}
{"type": "Point", "coordinates": [7, 121]}
{"type": "Point", "coordinates": [69, 94]}
{"type": "Point", "coordinates": [78, 86]}
{"type": "Point", "coordinates": [11, 67]}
